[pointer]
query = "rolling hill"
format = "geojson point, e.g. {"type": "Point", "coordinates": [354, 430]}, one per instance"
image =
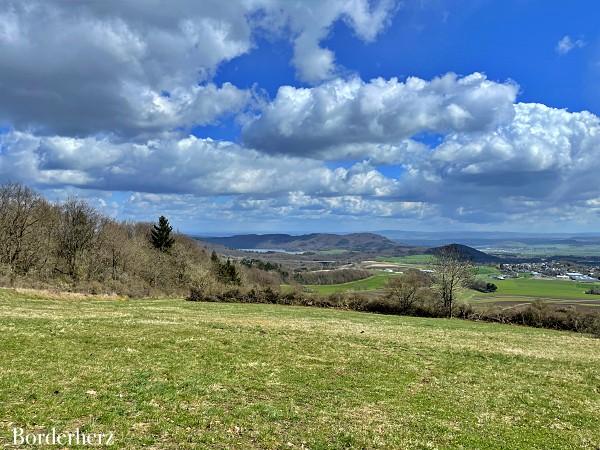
{"type": "Point", "coordinates": [465, 252]}
{"type": "Point", "coordinates": [364, 242]}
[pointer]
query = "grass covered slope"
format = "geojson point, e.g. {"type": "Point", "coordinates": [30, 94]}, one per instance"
{"type": "Point", "coordinates": [377, 281]}
{"type": "Point", "coordinates": [176, 374]}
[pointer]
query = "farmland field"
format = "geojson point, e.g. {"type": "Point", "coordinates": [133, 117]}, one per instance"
{"type": "Point", "coordinates": [375, 282]}
{"type": "Point", "coordinates": [531, 287]}
{"type": "Point", "coordinates": [176, 374]}
{"type": "Point", "coordinates": [516, 290]}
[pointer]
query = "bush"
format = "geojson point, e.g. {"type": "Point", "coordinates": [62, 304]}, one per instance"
{"type": "Point", "coordinates": [542, 315]}
{"type": "Point", "coordinates": [538, 315]}
{"type": "Point", "coordinates": [338, 276]}
{"type": "Point", "coordinates": [482, 286]}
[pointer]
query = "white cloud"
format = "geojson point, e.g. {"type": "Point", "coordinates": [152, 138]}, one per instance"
{"type": "Point", "coordinates": [310, 22]}
{"type": "Point", "coordinates": [541, 165]}
{"type": "Point", "coordinates": [336, 117]}
{"type": "Point", "coordinates": [543, 160]}
{"type": "Point", "coordinates": [99, 96]}
{"type": "Point", "coordinates": [200, 167]}
{"type": "Point", "coordinates": [566, 44]}
{"type": "Point", "coordinates": [134, 67]}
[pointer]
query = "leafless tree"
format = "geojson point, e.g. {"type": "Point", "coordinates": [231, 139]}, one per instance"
{"type": "Point", "coordinates": [21, 211]}
{"type": "Point", "coordinates": [47, 242]}
{"type": "Point", "coordinates": [451, 272]}
{"type": "Point", "coordinates": [75, 234]}
{"type": "Point", "coordinates": [405, 289]}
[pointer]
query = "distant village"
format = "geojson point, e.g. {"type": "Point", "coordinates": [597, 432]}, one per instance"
{"type": "Point", "coordinates": [562, 270]}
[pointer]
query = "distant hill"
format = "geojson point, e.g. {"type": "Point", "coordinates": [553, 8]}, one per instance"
{"type": "Point", "coordinates": [365, 242]}
{"type": "Point", "coordinates": [466, 252]}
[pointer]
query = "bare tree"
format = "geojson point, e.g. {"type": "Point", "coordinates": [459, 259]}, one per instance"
{"type": "Point", "coordinates": [20, 213]}
{"type": "Point", "coordinates": [76, 233]}
{"type": "Point", "coordinates": [42, 241]}
{"type": "Point", "coordinates": [111, 250]}
{"type": "Point", "coordinates": [452, 271]}
{"type": "Point", "coordinates": [404, 289]}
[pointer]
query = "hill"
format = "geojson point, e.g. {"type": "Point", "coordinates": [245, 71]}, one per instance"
{"type": "Point", "coordinates": [363, 242]}
{"type": "Point", "coordinates": [466, 252]}
{"type": "Point", "coordinates": [259, 376]}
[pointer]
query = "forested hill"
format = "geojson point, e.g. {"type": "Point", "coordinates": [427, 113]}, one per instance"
{"type": "Point", "coordinates": [466, 252]}
{"type": "Point", "coordinates": [307, 242]}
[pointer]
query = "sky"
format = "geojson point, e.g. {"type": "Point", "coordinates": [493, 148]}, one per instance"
{"type": "Point", "coordinates": [256, 116]}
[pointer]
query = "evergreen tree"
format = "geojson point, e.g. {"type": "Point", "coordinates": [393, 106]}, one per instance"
{"type": "Point", "coordinates": [225, 272]}
{"type": "Point", "coordinates": [229, 274]}
{"type": "Point", "coordinates": [160, 235]}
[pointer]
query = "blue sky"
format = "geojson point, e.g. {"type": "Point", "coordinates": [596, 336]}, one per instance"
{"type": "Point", "coordinates": [311, 116]}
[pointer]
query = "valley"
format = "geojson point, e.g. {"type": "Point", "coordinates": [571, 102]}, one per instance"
{"type": "Point", "coordinates": [369, 252]}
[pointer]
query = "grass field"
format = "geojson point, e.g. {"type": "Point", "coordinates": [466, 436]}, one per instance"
{"type": "Point", "coordinates": [175, 374]}
{"type": "Point", "coordinates": [486, 270]}
{"type": "Point", "coordinates": [532, 287]}
{"type": "Point", "coordinates": [333, 251]}
{"type": "Point", "coordinates": [372, 283]}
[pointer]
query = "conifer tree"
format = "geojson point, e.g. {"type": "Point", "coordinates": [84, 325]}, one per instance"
{"type": "Point", "coordinates": [160, 235]}
{"type": "Point", "coordinates": [225, 272]}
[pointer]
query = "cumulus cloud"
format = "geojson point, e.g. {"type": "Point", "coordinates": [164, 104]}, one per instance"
{"type": "Point", "coordinates": [98, 97]}
{"type": "Point", "coordinates": [88, 67]}
{"type": "Point", "coordinates": [567, 43]}
{"type": "Point", "coordinates": [544, 159]}
{"type": "Point", "coordinates": [191, 165]}
{"type": "Point", "coordinates": [530, 167]}
{"type": "Point", "coordinates": [337, 116]}
{"type": "Point", "coordinates": [136, 67]}
{"type": "Point", "coordinates": [310, 22]}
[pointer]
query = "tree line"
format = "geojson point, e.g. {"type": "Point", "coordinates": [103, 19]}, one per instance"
{"type": "Point", "coordinates": [71, 245]}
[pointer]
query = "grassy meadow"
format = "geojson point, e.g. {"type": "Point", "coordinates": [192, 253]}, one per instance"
{"type": "Point", "coordinates": [532, 287]}
{"type": "Point", "coordinates": [176, 374]}
{"type": "Point", "coordinates": [375, 282]}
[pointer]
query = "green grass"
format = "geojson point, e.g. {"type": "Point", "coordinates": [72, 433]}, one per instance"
{"type": "Point", "coordinates": [531, 287]}
{"type": "Point", "coordinates": [175, 374]}
{"type": "Point", "coordinates": [487, 270]}
{"type": "Point", "coordinates": [523, 289]}
{"type": "Point", "coordinates": [374, 282]}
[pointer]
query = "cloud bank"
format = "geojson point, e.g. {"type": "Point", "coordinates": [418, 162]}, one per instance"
{"type": "Point", "coordinates": [101, 98]}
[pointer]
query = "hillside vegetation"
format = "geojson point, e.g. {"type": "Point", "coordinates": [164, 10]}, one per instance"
{"type": "Point", "coordinates": [368, 242]}
{"type": "Point", "coordinates": [211, 375]}
{"type": "Point", "coordinates": [73, 246]}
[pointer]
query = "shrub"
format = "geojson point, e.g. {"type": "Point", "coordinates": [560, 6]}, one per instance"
{"type": "Point", "coordinates": [539, 314]}
{"type": "Point", "coordinates": [338, 276]}
{"type": "Point", "coordinates": [482, 286]}
{"type": "Point", "coordinates": [542, 315]}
